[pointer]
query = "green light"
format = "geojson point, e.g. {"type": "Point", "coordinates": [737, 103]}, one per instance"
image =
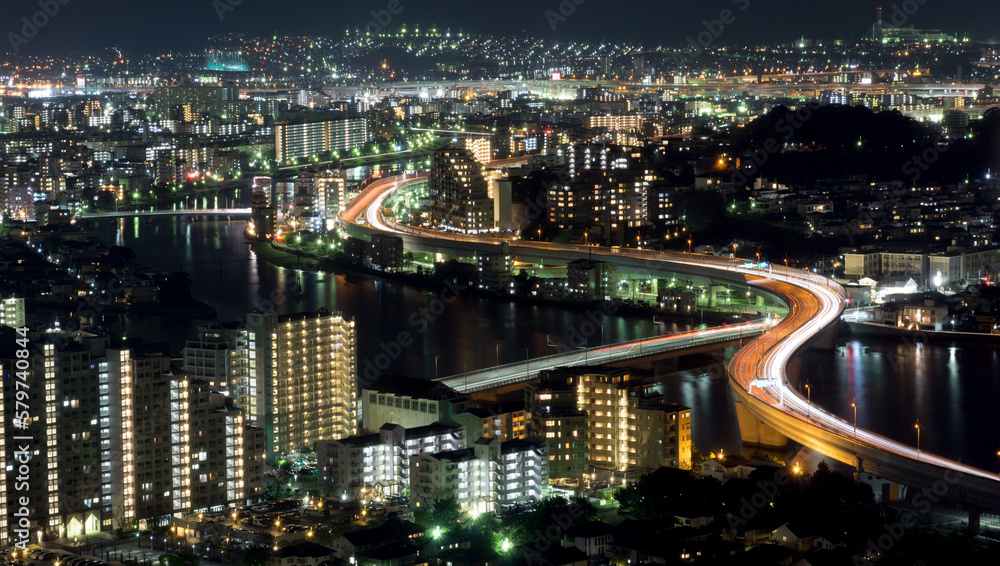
{"type": "Point", "coordinates": [436, 533]}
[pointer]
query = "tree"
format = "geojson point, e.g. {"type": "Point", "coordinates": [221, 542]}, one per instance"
{"type": "Point", "coordinates": [121, 523]}
{"type": "Point", "coordinates": [446, 513]}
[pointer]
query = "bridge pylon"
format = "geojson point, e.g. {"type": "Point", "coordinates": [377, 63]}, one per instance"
{"type": "Point", "coordinates": [754, 432]}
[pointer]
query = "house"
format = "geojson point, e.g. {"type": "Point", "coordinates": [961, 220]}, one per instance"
{"type": "Point", "coordinates": [592, 538]}
{"type": "Point", "coordinates": [918, 311]}
{"type": "Point", "coordinates": [797, 537]}
{"type": "Point", "coordinates": [393, 554]}
{"type": "Point", "coordinates": [301, 554]}
{"type": "Point", "coordinates": [724, 468]}
{"type": "Point", "coordinates": [349, 545]}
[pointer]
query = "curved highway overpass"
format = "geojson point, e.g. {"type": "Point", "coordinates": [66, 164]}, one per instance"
{"type": "Point", "coordinates": [770, 412]}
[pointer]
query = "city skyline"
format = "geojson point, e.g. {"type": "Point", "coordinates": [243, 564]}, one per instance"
{"type": "Point", "coordinates": [718, 280]}
{"type": "Point", "coordinates": [186, 25]}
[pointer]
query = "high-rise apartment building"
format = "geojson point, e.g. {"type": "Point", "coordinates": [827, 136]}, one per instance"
{"type": "Point", "coordinates": [627, 427]}
{"type": "Point", "coordinates": [460, 192]}
{"type": "Point", "coordinates": [116, 439]}
{"type": "Point", "coordinates": [305, 140]}
{"type": "Point", "coordinates": [294, 375]}
{"type": "Point", "coordinates": [609, 187]}
{"type": "Point", "coordinates": [592, 280]}
{"type": "Point", "coordinates": [553, 414]}
{"type": "Point", "coordinates": [302, 378]}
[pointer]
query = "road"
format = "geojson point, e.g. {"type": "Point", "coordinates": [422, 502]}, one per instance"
{"type": "Point", "coordinates": [758, 371]}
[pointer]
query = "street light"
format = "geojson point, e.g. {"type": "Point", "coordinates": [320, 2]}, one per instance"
{"type": "Point", "coordinates": [808, 400]}
{"type": "Point", "coordinates": [917, 426]}
{"type": "Point", "coordinates": [855, 405]}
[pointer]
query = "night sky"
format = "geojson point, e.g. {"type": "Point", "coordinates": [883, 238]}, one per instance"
{"type": "Point", "coordinates": [158, 25]}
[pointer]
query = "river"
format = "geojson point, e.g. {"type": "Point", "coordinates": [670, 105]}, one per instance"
{"type": "Point", "coordinates": [952, 389]}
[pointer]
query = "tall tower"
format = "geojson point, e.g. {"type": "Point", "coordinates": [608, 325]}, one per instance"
{"type": "Point", "coordinates": [877, 28]}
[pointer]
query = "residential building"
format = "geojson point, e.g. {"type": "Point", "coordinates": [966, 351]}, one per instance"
{"type": "Point", "coordinates": [380, 461]}
{"type": "Point", "coordinates": [310, 138]}
{"type": "Point", "coordinates": [122, 439]}
{"type": "Point", "coordinates": [302, 378]}
{"type": "Point", "coordinates": [627, 425]}
{"type": "Point", "coordinates": [554, 415]}
{"type": "Point", "coordinates": [919, 311]}
{"type": "Point", "coordinates": [522, 471]}
{"type": "Point", "coordinates": [461, 200]}
{"type": "Point", "coordinates": [506, 421]}
{"type": "Point", "coordinates": [592, 280]}
{"type": "Point", "coordinates": [387, 252]}
{"type": "Point", "coordinates": [12, 312]}
{"type": "Point", "coordinates": [467, 475]}
{"type": "Point", "coordinates": [409, 402]}
{"type": "Point", "coordinates": [495, 270]}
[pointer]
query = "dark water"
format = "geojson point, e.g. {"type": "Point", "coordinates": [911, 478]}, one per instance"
{"type": "Point", "coordinates": [954, 391]}
{"type": "Point", "coordinates": [465, 335]}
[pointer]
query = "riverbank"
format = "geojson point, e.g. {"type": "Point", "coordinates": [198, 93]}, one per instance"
{"type": "Point", "coordinates": [939, 336]}
{"type": "Point", "coordinates": [294, 259]}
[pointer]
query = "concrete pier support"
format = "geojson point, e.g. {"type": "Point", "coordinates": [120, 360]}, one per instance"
{"type": "Point", "coordinates": [755, 433]}
{"type": "Point", "coordinates": [827, 340]}
{"type": "Point", "coordinates": [974, 520]}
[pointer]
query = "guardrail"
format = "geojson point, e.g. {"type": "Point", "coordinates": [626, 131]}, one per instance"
{"type": "Point", "coordinates": [508, 374]}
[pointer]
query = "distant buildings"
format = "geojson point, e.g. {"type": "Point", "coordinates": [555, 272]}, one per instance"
{"type": "Point", "coordinates": [592, 280]}
{"type": "Point", "coordinates": [608, 188]}
{"type": "Point", "coordinates": [387, 252]}
{"type": "Point", "coordinates": [310, 138]}
{"type": "Point", "coordinates": [495, 270]}
{"type": "Point", "coordinates": [930, 269]}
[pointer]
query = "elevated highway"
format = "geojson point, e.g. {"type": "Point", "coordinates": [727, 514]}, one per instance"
{"type": "Point", "coordinates": [231, 212]}
{"type": "Point", "coordinates": [769, 411]}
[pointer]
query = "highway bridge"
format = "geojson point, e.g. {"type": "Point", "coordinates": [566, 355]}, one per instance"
{"type": "Point", "coordinates": [229, 212]}
{"type": "Point", "coordinates": [509, 374]}
{"type": "Point", "coordinates": [770, 412]}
